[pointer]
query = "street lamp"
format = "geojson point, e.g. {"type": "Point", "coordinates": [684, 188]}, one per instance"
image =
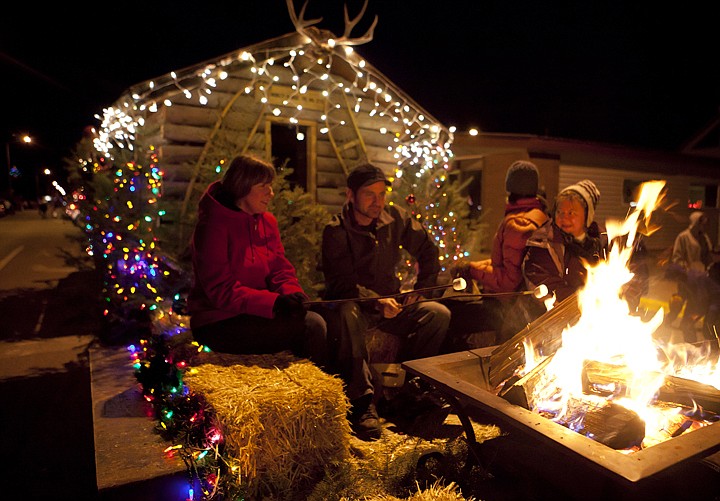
{"type": "Point", "coordinates": [23, 138]}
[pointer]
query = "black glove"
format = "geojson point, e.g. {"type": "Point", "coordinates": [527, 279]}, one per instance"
{"type": "Point", "coordinates": [460, 269]}
{"type": "Point", "coordinates": [290, 306]}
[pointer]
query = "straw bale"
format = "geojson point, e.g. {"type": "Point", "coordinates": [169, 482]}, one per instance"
{"type": "Point", "coordinates": [284, 420]}
{"type": "Point", "coordinates": [390, 466]}
{"type": "Point", "coordinates": [435, 492]}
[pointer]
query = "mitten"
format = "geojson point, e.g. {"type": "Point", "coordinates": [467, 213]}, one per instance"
{"type": "Point", "coordinates": [290, 306]}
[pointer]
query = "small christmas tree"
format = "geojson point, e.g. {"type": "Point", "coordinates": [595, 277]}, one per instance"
{"type": "Point", "coordinates": [301, 221]}
{"type": "Point", "coordinates": [117, 196]}
{"type": "Point", "coordinates": [436, 201]}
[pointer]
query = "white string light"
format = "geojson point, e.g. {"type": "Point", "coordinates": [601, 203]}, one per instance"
{"type": "Point", "coordinates": [383, 101]}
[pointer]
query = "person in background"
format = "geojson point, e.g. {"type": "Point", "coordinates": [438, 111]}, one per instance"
{"type": "Point", "coordinates": [245, 297]}
{"type": "Point", "coordinates": [698, 292]}
{"type": "Point", "coordinates": [525, 212]}
{"type": "Point", "coordinates": [692, 249]}
{"type": "Point", "coordinates": [558, 251]}
{"type": "Point", "coordinates": [43, 208]}
{"type": "Point", "coordinates": [360, 253]}
{"type": "Point", "coordinates": [692, 257]}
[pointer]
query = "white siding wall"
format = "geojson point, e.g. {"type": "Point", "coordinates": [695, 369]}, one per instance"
{"type": "Point", "coordinates": [610, 183]}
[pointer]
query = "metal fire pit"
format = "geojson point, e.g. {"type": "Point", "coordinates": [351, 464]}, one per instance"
{"type": "Point", "coordinates": [553, 454]}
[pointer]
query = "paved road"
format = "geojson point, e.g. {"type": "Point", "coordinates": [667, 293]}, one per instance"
{"type": "Point", "coordinates": [49, 315]}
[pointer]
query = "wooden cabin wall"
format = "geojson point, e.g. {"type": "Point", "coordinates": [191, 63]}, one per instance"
{"type": "Point", "coordinates": [186, 128]}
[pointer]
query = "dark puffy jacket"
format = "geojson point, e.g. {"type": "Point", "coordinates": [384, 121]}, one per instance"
{"type": "Point", "coordinates": [358, 263]}
{"type": "Point", "coordinates": [553, 258]}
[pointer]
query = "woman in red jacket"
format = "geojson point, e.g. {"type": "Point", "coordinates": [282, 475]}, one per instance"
{"type": "Point", "coordinates": [525, 212]}
{"type": "Point", "coordinates": [245, 296]}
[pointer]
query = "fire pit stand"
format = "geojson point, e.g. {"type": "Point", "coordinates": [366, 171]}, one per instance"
{"type": "Point", "coordinates": [559, 459]}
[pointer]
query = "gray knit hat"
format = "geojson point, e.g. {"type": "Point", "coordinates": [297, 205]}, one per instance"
{"type": "Point", "coordinates": [522, 178]}
{"type": "Point", "coordinates": [590, 193]}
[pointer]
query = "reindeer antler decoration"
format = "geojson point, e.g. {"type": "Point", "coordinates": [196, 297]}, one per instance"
{"type": "Point", "coordinates": [349, 25]}
{"type": "Point", "coordinates": [326, 38]}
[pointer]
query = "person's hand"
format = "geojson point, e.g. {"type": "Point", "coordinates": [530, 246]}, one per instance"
{"type": "Point", "coordinates": [290, 306]}
{"type": "Point", "coordinates": [389, 307]}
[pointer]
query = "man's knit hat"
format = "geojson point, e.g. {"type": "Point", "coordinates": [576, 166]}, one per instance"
{"type": "Point", "coordinates": [522, 178]}
{"type": "Point", "coordinates": [590, 193]}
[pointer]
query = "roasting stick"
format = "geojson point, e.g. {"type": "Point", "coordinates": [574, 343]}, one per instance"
{"type": "Point", "coordinates": [457, 285]}
{"type": "Point", "coordinates": [538, 292]}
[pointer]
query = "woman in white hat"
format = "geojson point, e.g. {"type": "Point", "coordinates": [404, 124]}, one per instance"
{"type": "Point", "coordinates": [557, 251]}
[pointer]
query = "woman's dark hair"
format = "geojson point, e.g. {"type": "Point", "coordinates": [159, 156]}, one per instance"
{"type": "Point", "coordinates": [243, 173]}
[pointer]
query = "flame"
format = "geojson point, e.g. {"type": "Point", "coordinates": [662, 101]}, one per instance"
{"type": "Point", "coordinates": [608, 333]}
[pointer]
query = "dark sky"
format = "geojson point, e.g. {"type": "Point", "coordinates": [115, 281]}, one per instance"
{"type": "Point", "coordinates": [625, 72]}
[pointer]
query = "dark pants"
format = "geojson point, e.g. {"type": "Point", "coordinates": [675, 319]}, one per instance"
{"type": "Point", "coordinates": [253, 335]}
{"type": "Point", "coordinates": [471, 317]}
{"type": "Point", "coordinates": [504, 317]}
{"type": "Point", "coordinates": [422, 327]}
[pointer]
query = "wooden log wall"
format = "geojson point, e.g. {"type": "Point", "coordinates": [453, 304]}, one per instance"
{"type": "Point", "coordinates": [186, 128]}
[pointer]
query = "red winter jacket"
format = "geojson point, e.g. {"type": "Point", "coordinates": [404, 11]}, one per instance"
{"type": "Point", "coordinates": [503, 271]}
{"type": "Point", "coordinates": [239, 263]}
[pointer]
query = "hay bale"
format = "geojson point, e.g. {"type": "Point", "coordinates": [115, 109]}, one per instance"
{"type": "Point", "coordinates": [284, 420]}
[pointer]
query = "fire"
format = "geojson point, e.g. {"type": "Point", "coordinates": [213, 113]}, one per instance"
{"type": "Point", "coordinates": [615, 350]}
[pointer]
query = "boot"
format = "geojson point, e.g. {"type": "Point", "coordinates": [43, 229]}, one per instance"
{"type": "Point", "coordinates": [364, 419]}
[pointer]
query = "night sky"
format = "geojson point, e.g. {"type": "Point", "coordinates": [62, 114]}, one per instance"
{"type": "Point", "coordinates": [632, 73]}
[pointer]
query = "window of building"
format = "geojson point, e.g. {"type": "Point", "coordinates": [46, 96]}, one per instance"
{"type": "Point", "coordinates": [289, 150]}
{"type": "Point", "coordinates": [701, 196]}
{"type": "Point", "coordinates": [471, 182]}
{"type": "Point", "coordinates": [474, 193]}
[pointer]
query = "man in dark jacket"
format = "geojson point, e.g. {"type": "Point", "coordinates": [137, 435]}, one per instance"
{"type": "Point", "coordinates": [360, 252]}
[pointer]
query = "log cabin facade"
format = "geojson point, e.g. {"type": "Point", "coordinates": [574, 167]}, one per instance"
{"type": "Point", "coordinates": [305, 100]}
{"type": "Point", "coordinates": [308, 100]}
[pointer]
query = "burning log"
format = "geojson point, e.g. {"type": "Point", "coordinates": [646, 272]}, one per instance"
{"type": "Point", "coordinates": [519, 390]}
{"type": "Point", "coordinates": [604, 379]}
{"type": "Point", "coordinates": [614, 426]}
{"type": "Point", "coordinates": [607, 379]}
{"type": "Point", "coordinates": [544, 334]}
{"type": "Point", "coordinates": [611, 425]}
